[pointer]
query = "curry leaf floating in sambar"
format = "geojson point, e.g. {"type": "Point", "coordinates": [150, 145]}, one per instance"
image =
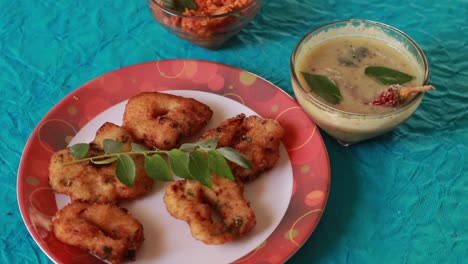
{"type": "Point", "coordinates": [387, 76]}
{"type": "Point", "coordinates": [323, 87]}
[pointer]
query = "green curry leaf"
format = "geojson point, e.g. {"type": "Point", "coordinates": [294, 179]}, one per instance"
{"type": "Point", "coordinates": [138, 148]}
{"type": "Point", "coordinates": [188, 147]}
{"type": "Point", "coordinates": [204, 145]}
{"type": "Point", "coordinates": [189, 4]}
{"type": "Point", "coordinates": [179, 163]}
{"type": "Point", "coordinates": [198, 166]}
{"type": "Point", "coordinates": [218, 165]}
{"type": "Point", "coordinates": [208, 145]}
{"type": "Point", "coordinates": [387, 76]}
{"type": "Point", "coordinates": [234, 156]}
{"type": "Point", "coordinates": [125, 170]}
{"type": "Point", "coordinates": [112, 146]}
{"type": "Point", "coordinates": [104, 161]}
{"type": "Point", "coordinates": [156, 167]}
{"type": "Point", "coordinates": [79, 150]}
{"type": "Point", "coordinates": [180, 5]}
{"type": "Point", "coordinates": [323, 87]}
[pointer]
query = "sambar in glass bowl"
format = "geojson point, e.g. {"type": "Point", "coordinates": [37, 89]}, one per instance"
{"type": "Point", "coordinates": [339, 69]}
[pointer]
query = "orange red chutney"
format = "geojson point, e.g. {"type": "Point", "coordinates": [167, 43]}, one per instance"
{"type": "Point", "coordinates": [200, 21]}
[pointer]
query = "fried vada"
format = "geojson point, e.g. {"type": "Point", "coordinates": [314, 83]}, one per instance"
{"type": "Point", "coordinates": [161, 120]}
{"type": "Point", "coordinates": [257, 139]}
{"type": "Point", "coordinates": [216, 215]}
{"type": "Point", "coordinates": [88, 182]}
{"type": "Point", "coordinates": [105, 230]}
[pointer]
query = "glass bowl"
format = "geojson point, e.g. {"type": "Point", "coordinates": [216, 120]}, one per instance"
{"type": "Point", "coordinates": [208, 31]}
{"type": "Point", "coordinates": [345, 126]}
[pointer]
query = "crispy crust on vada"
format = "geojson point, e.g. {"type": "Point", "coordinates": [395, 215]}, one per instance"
{"type": "Point", "coordinates": [107, 231]}
{"type": "Point", "coordinates": [216, 215]}
{"type": "Point", "coordinates": [161, 120]}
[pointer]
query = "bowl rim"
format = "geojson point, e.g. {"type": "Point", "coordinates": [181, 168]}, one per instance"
{"type": "Point", "coordinates": [178, 14]}
{"type": "Point", "coordinates": [329, 108]}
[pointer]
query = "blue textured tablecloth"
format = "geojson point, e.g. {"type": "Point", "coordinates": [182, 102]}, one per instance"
{"type": "Point", "coordinates": [399, 198]}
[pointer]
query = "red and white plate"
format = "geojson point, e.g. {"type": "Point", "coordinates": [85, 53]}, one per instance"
{"type": "Point", "coordinates": [288, 200]}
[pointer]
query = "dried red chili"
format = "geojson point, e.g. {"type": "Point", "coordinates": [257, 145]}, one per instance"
{"type": "Point", "coordinates": [397, 94]}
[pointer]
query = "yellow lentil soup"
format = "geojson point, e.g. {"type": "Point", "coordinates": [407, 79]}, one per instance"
{"type": "Point", "coordinates": [344, 60]}
{"type": "Point", "coordinates": [342, 72]}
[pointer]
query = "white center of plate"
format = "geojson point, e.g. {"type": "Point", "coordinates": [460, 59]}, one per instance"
{"type": "Point", "coordinates": [168, 240]}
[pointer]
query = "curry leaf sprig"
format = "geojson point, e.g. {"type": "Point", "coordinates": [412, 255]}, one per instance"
{"type": "Point", "coordinates": [191, 161]}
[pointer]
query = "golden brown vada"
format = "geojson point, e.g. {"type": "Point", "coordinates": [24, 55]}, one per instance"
{"type": "Point", "coordinates": [160, 120]}
{"type": "Point", "coordinates": [106, 230]}
{"type": "Point", "coordinates": [257, 139]}
{"type": "Point", "coordinates": [215, 216]}
{"type": "Point", "coordinates": [93, 183]}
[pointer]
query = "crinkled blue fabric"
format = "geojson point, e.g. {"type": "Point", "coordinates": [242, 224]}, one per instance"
{"type": "Point", "coordinates": [399, 198]}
